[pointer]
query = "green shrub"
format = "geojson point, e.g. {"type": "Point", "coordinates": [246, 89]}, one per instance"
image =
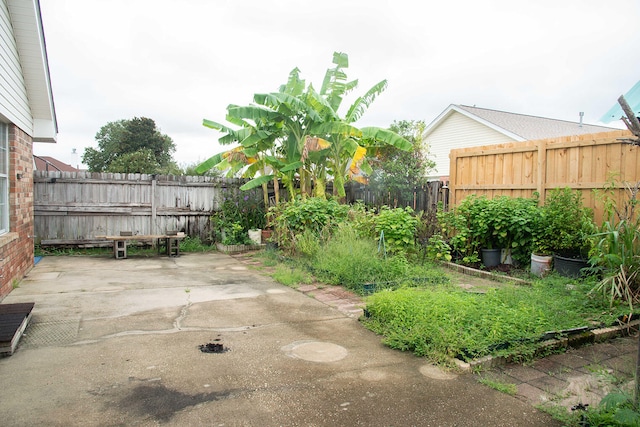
{"type": "Point", "coordinates": [239, 212]}
{"type": "Point", "coordinates": [314, 214]}
{"type": "Point", "coordinates": [566, 225]}
{"type": "Point", "coordinates": [399, 227]}
{"type": "Point", "coordinates": [502, 222]}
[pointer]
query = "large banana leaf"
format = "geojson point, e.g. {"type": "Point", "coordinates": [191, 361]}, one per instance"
{"type": "Point", "coordinates": [336, 128]}
{"type": "Point", "coordinates": [255, 113]}
{"type": "Point", "coordinates": [321, 105]}
{"type": "Point", "coordinates": [295, 85]}
{"type": "Point", "coordinates": [292, 166]}
{"type": "Point", "coordinates": [209, 164]}
{"type": "Point", "coordinates": [256, 182]}
{"type": "Point", "coordinates": [376, 134]}
{"type": "Point", "coordinates": [293, 104]}
{"type": "Point", "coordinates": [217, 126]}
{"type": "Point", "coordinates": [255, 138]}
{"type": "Point", "coordinates": [361, 104]}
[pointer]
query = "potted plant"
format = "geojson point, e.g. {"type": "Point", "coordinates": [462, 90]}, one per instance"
{"type": "Point", "coordinates": [482, 226]}
{"type": "Point", "coordinates": [541, 252]}
{"type": "Point", "coordinates": [567, 233]}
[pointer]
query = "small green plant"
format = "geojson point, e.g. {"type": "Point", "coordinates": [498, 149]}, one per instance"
{"type": "Point", "coordinates": [506, 388]}
{"type": "Point", "coordinates": [291, 276]}
{"type": "Point", "coordinates": [438, 249]}
{"type": "Point", "coordinates": [15, 284]}
{"type": "Point", "coordinates": [616, 409]}
{"type": "Point", "coordinates": [194, 244]}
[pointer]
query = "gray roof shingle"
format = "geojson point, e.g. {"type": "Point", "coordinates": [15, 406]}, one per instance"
{"type": "Point", "coordinates": [533, 127]}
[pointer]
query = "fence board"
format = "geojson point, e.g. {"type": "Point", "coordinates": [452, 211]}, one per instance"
{"type": "Point", "coordinates": [75, 206]}
{"type": "Point", "coordinates": [72, 207]}
{"type": "Point", "coordinates": [585, 162]}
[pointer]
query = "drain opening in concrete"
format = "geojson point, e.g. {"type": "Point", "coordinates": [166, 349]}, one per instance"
{"type": "Point", "coordinates": [213, 347]}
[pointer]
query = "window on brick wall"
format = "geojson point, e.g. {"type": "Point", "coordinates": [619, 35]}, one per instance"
{"type": "Point", "coordinates": [4, 178]}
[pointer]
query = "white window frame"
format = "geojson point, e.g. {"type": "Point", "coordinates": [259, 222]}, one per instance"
{"type": "Point", "coordinates": [4, 178]}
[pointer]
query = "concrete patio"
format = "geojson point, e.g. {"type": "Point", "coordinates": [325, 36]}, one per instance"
{"type": "Point", "coordinates": [116, 342]}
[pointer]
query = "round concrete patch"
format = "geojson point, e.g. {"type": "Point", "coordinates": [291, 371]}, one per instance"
{"type": "Point", "coordinates": [315, 351]}
{"type": "Point", "coordinates": [436, 373]}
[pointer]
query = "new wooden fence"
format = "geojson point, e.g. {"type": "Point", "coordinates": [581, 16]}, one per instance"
{"type": "Point", "coordinates": [72, 208]}
{"type": "Point", "coordinates": [585, 163]}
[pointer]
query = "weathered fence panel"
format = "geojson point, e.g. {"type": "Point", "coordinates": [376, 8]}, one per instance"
{"type": "Point", "coordinates": [423, 198]}
{"type": "Point", "coordinates": [585, 163]}
{"type": "Point", "coordinates": [72, 207]}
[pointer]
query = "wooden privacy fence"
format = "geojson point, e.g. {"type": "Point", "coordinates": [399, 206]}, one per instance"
{"type": "Point", "coordinates": [422, 198]}
{"type": "Point", "coordinates": [518, 169]}
{"type": "Point", "coordinates": [74, 207]}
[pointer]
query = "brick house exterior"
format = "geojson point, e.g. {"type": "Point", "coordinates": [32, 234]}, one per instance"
{"type": "Point", "coordinates": [16, 247]}
{"type": "Point", "coordinates": [27, 112]}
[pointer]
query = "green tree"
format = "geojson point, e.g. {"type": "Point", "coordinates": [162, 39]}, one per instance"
{"type": "Point", "coordinates": [399, 172]}
{"type": "Point", "coordinates": [303, 133]}
{"type": "Point", "coordinates": [131, 146]}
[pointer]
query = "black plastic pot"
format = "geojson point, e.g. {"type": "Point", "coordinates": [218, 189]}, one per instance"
{"type": "Point", "coordinates": [569, 266]}
{"type": "Point", "coordinates": [490, 257]}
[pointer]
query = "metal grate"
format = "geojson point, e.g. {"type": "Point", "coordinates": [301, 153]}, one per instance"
{"type": "Point", "coordinates": [50, 333]}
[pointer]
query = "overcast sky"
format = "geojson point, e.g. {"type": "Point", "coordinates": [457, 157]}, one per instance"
{"type": "Point", "coordinates": [180, 61]}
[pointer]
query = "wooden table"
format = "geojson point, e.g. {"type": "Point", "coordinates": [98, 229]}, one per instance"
{"type": "Point", "coordinates": [170, 242]}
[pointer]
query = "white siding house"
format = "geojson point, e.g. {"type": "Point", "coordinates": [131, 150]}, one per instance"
{"type": "Point", "coordinates": [26, 98]}
{"type": "Point", "coordinates": [461, 126]}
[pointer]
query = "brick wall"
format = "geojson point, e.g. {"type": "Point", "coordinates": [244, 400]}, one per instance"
{"type": "Point", "coordinates": [16, 247]}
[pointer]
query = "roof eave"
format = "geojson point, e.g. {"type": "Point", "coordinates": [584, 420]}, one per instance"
{"type": "Point", "coordinates": [30, 41]}
{"type": "Point", "coordinates": [455, 108]}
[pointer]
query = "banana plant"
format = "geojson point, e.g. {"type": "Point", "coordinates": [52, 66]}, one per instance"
{"type": "Point", "coordinates": [298, 133]}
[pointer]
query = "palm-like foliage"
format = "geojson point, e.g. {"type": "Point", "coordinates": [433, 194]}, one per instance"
{"type": "Point", "coordinates": [297, 132]}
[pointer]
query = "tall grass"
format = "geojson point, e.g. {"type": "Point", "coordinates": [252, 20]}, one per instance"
{"type": "Point", "coordinates": [352, 262]}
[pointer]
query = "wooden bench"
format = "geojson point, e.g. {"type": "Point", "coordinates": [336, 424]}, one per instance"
{"type": "Point", "coordinates": [170, 243]}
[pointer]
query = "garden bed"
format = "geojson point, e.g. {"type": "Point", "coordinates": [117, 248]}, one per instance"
{"type": "Point", "coordinates": [485, 274]}
{"type": "Point", "coordinates": [233, 249]}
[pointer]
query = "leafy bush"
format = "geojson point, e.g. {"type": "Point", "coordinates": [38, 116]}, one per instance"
{"type": "Point", "coordinates": [314, 214]}
{"type": "Point", "coordinates": [478, 222]}
{"type": "Point", "coordinates": [399, 228]}
{"type": "Point", "coordinates": [566, 225]}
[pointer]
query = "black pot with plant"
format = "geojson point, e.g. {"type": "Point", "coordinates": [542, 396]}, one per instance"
{"type": "Point", "coordinates": [565, 230]}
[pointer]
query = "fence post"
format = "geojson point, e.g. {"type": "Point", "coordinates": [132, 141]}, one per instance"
{"type": "Point", "coordinates": [542, 170]}
{"type": "Point", "coordinates": [152, 226]}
